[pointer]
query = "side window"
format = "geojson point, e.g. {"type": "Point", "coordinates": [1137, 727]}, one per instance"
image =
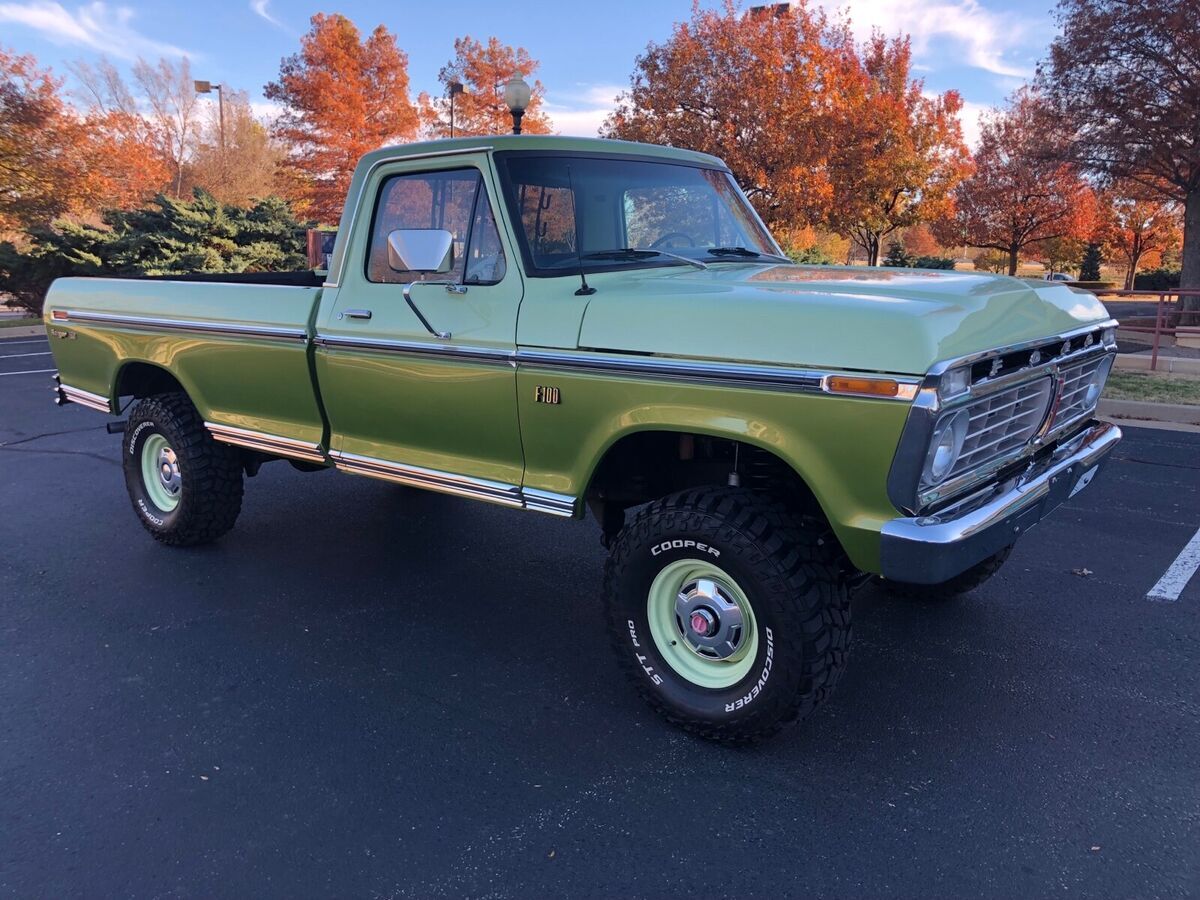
{"type": "Point", "coordinates": [485, 257]}
{"type": "Point", "coordinates": [424, 200]}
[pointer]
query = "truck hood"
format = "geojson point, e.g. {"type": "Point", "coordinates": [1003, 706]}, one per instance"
{"type": "Point", "coordinates": [899, 321]}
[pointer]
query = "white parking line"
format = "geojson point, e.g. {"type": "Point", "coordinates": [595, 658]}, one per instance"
{"type": "Point", "coordinates": [7, 343]}
{"type": "Point", "coordinates": [27, 372]}
{"type": "Point", "coordinates": [19, 355]}
{"type": "Point", "coordinates": [1180, 572]}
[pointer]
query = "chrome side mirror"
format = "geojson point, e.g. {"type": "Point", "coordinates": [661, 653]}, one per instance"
{"type": "Point", "coordinates": [425, 250]}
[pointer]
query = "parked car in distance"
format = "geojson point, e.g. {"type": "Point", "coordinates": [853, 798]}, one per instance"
{"type": "Point", "coordinates": [578, 327]}
{"type": "Point", "coordinates": [1058, 276]}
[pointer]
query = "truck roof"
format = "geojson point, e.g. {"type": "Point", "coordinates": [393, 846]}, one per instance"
{"type": "Point", "coordinates": [551, 143]}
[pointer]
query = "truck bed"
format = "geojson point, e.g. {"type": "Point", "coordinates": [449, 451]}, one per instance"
{"type": "Point", "coordinates": [240, 349]}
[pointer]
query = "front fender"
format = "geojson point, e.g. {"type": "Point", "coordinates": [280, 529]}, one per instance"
{"type": "Point", "coordinates": [841, 447]}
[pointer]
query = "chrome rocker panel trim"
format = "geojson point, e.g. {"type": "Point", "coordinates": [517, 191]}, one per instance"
{"type": "Point", "coordinates": [509, 495]}
{"type": "Point", "coordinates": [152, 323]}
{"type": "Point", "coordinates": [267, 443]}
{"type": "Point", "coordinates": [64, 393]}
{"type": "Point", "coordinates": [933, 549]}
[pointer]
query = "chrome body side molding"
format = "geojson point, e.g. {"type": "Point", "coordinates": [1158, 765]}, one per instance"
{"type": "Point", "coordinates": [778, 377]}
{"type": "Point", "coordinates": [783, 378]}
{"type": "Point", "coordinates": [266, 443]}
{"type": "Point", "coordinates": [483, 355]}
{"type": "Point", "coordinates": [153, 323]}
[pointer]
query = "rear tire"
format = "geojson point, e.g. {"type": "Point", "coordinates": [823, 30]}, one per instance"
{"type": "Point", "coordinates": [952, 589]}
{"type": "Point", "coordinates": [770, 593]}
{"type": "Point", "coordinates": [185, 487]}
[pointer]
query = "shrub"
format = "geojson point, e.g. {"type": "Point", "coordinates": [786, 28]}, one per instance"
{"type": "Point", "coordinates": [1157, 280]}
{"type": "Point", "coordinates": [809, 256]}
{"type": "Point", "coordinates": [167, 237]}
{"type": "Point", "coordinates": [933, 262]}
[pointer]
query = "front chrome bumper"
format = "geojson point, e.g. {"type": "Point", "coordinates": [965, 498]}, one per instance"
{"type": "Point", "coordinates": [933, 549]}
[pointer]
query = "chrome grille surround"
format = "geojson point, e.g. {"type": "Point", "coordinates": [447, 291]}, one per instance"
{"type": "Point", "coordinates": [1064, 362]}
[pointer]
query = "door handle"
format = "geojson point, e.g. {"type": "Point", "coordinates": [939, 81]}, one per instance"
{"type": "Point", "coordinates": [355, 314]}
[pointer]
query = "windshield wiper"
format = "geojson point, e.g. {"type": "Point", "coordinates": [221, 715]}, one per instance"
{"type": "Point", "coordinates": [636, 253]}
{"type": "Point", "coordinates": [743, 251]}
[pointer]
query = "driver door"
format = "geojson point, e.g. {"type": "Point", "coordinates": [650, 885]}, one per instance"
{"type": "Point", "coordinates": [402, 402]}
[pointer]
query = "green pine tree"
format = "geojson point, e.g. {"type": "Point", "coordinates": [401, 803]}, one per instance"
{"type": "Point", "coordinates": [896, 256]}
{"type": "Point", "coordinates": [1089, 269]}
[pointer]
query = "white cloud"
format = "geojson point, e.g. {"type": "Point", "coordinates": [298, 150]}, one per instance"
{"type": "Point", "coordinates": [964, 30]}
{"type": "Point", "coordinates": [971, 118]}
{"type": "Point", "coordinates": [261, 10]}
{"type": "Point", "coordinates": [265, 110]}
{"type": "Point", "coordinates": [96, 26]}
{"type": "Point", "coordinates": [581, 112]}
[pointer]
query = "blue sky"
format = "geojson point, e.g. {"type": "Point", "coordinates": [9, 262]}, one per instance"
{"type": "Point", "coordinates": [983, 48]}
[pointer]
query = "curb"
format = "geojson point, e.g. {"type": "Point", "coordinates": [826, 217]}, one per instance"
{"type": "Point", "coordinates": [22, 331]}
{"type": "Point", "coordinates": [1166, 364]}
{"type": "Point", "coordinates": [1178, 413]}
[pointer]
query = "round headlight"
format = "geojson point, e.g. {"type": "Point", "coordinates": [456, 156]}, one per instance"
{"type": "Point", "coordinates": [945, 447]}
{"type": "Point", "coordinates": [1096, 385]}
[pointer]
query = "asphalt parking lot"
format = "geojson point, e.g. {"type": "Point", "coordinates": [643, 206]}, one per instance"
{"type": "Point", "coordinates": [366, 690]}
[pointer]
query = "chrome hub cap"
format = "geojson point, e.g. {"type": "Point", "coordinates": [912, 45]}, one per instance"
{"type": "Point", "coordinates": [702, 623]}
{"type": "Point", "coordinates": [168, 470]}
{"type": "Point", "coordinates": [708, 619]}
{"type": "Point", "coordinates": [160, 473]}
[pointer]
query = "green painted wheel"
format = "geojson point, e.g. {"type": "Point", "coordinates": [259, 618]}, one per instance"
{"type": "Point", "coordinates": [702, 623]}
{"type": "Point", "coordinates": [160, 473]}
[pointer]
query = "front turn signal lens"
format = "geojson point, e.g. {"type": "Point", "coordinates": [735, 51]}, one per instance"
{"type": "Point", "coordinates": [869, 387]}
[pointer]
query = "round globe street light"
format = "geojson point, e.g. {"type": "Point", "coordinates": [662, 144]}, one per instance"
{"type": "Point", "coordinates": [516, 98]}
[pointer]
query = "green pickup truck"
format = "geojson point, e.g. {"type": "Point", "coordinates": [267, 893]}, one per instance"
{"type": "Point", "coordinates": [571, 326]}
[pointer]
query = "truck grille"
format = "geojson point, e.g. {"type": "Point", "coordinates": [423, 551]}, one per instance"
{"type": "Point", "coordinates": [1075, 403]}
{"type": "Point", "coordinates": [1001, 423]}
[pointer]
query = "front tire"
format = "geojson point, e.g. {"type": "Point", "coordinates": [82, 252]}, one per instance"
{"type": "Point", "coordinates": [185, 487]}
{"type": "Point", "coordinates": [730, 616]}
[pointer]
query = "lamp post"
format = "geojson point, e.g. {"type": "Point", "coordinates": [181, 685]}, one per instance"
{"type": "Point", "coordinates": [516, 98]}
{"type": "Point", "coordinates": [207, 87]}
{"type": "Point", "coordinates": [454, 87]}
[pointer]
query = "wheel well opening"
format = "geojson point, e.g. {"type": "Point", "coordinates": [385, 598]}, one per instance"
{"type": "Point", "coordinates": [646, 465]}
{"type": "Point", "coordinates": [145, 380]}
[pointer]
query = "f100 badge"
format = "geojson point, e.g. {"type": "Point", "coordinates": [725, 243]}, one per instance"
{"type": "Point", "coordinates": [543, 393]}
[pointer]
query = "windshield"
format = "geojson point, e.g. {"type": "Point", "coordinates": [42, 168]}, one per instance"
{"type": "Point", "coordinates": [612, 212]}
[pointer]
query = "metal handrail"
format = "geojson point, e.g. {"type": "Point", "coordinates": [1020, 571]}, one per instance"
{"type": "Point", "coordinates": [1160, 326]}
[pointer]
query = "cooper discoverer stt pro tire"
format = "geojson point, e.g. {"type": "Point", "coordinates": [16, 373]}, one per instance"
{"type": "Point", "coordinates": [730, 615]}
{"type": "Point", "coordinates": [185, 487]}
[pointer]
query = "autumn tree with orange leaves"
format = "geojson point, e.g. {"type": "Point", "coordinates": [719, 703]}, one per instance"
{"type": "Point", "coordinates": [342, 97]}
{"type": "Point", "coordinates": [42, 163]}
{"type": "Point", "coordinates": [1137, 225]}
{"type": "Point", "coordinates": [1017, 196]}
{"type": "Point", "coordinates": [898, 154]}
{"type": "Point", "coordinates": [767, 93]}
{"type": "Point", "coordinates": [479, 109]}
